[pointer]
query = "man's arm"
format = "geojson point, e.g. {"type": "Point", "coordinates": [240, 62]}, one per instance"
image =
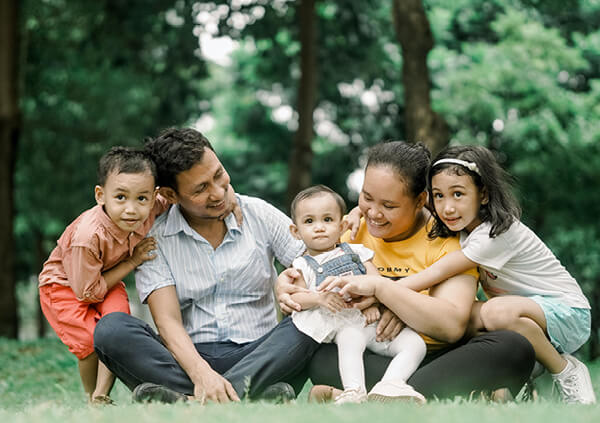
{"type": "Point", "coordinates": [166, 313]}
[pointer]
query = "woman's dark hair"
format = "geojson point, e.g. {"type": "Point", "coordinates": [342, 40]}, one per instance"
{"type": "Point", "coordinates": [313, 191]}
{"type": "Point", "coordinates": [124, 160]}
{"type": "Point", "coordinates": [175, 151]}
{"type": "Point", "coordinates": [502, 208]}
{"type": "Point", "coordinates": [410, 161]}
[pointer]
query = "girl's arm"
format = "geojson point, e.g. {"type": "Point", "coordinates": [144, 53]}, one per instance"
{"type": "Point", "coordinates": [311, 299]}
{"type": "Point", "coordinates": [451, 264]}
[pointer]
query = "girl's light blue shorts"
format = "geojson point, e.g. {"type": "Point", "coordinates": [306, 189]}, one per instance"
{"type": "Point", "coordinates": [568, 327]}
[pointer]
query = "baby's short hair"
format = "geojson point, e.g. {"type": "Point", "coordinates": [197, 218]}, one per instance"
{"type": "Point", "coordinates": [124, 160]}
{"type": "Point", "coordinates": [313, 191]}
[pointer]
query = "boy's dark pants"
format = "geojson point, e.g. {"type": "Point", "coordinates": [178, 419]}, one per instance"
{"type": "Point", "coordinates": [135, 354]}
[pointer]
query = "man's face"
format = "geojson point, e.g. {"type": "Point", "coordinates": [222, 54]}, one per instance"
{"type": "Point", "coordinates": [202, 189]}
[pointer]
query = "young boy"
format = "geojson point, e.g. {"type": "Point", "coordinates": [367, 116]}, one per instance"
{"type": "Point", "coordinates": [81, 280]}
{"type": "Point", "coordinates": [317, 214]}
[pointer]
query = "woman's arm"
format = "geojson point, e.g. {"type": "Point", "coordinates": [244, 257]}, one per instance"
{"type": "Point", "coordinates": [443, 314]}
{"type": "Point", "coordinates": [451, 264]}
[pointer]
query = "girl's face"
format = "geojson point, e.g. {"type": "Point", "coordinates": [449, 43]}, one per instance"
{"type": "Point", "coordinates": [457, 200]}
{"type": "Point", "coordinates": [390, 211]}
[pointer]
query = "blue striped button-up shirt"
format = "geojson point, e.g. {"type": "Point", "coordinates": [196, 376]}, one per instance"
{"type": "Point", "coordinates": [225, 293]}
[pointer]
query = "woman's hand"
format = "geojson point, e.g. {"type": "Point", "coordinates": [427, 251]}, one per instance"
{"type": "Point", "coordinates": [285, 287]}
{"type": "Point", "coordinates": [351, 222]}
{"type": "Point", "coordinates": [389, 326]}
{"type": "Point", "coordinates": [353, 286]}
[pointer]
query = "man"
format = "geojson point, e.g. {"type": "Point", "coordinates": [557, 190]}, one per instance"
{"type": "Point", "coordinates": [209, 290]}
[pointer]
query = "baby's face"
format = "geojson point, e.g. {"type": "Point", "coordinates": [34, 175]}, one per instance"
{"type": "Point", "coordinates": [127, 198]}
{"type": "Point", "coordinates": [318, 223]}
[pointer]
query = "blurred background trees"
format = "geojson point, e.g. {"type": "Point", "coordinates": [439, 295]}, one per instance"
{"type": "Point", "coordinates": [307, 87]}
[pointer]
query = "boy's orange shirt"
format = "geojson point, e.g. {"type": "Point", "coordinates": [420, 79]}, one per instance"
{"type": "Point", "coordinates": [90, 245]}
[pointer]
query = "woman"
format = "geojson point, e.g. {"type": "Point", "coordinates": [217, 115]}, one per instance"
{"type": "Point", "coordinates": [395, 226]}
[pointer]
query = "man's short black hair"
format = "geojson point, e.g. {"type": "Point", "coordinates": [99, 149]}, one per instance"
{"type": "Point", "coordinates": [174, 151]}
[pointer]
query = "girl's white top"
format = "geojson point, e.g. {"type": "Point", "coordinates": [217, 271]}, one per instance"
{"type": "Point", "coordinates": [517, 262]}
{"type": "Point", "coordinates": [318, 322]}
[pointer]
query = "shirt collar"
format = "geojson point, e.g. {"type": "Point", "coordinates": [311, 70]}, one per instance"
{"type": "Point", "coordinates": [176, 223]}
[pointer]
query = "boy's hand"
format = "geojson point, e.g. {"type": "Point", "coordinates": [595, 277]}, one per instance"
{"type": "Point", "coordinates": [372, 314]}
{"type": "Point", "coordinates": [235, 207]}
{"type": "Point", "coordinates": [351, 222]}
{"type": "Point", "coordinates": [144, 251]}
{"type": "Point", "coordinates": [332, 301]}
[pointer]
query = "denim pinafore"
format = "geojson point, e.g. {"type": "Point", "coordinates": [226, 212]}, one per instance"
{"type": "Point", "coordinates": [347, 264]}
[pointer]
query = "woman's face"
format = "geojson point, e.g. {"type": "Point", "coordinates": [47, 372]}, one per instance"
{"type": "Point", "coordinates": [389, 210]}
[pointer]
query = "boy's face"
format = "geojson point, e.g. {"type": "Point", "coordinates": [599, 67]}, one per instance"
{"type": "Point", "coordinates": [318, 223]}
{"type": "Point", "coordinates": [127, 198]}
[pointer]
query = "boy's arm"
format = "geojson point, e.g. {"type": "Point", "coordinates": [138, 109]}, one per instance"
{"type": "Point", "coordinates": [141, 253]}
{"type": "Point", "coordinates": [451, 264]}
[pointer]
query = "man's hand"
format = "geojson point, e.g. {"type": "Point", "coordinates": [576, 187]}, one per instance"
{"type": "Point", "coordinates": [332, 301]}
{"type": "Point", "coordinates": [285, 287]}
{"type": "Point", "coordinates": [389, 326]}
{"type": "Point", "coordinates": [211, 386]}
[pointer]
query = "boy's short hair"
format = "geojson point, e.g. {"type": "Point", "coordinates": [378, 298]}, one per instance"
{"type": "Point", "coordinates": [124, 160]}
{"type": "Point", "coordinates": [313, 191]}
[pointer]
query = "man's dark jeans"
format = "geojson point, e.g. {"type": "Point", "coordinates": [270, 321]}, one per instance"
{"type": "Point", "coordinates": [135, 354]}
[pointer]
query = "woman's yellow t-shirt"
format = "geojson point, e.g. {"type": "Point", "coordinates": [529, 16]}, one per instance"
{"type": "Point", "coordinates": [399, 259]}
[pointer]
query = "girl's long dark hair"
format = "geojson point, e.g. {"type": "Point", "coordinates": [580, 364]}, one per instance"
{"type": "Point", "coordinates": [502, 208]}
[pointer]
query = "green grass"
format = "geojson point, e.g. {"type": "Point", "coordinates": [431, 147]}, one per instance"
{"type": "Point", "coordinates": [39, 382]}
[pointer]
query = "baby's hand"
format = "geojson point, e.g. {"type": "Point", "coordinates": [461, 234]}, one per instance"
{"type": "Point", "coordinates": [332, 301]}
{"type": "Point", "coordinates": [144, 251]}
{"type": "Point", "coordinates": [351, 222]}
{"type": "Point", "coordinates": [372, 314]}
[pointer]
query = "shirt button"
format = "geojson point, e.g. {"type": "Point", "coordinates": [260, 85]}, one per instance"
{"type": "Point", "coordinates": [320, 270]}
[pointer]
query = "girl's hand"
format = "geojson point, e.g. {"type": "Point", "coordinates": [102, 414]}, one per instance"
{"type": "Point", "coordinates": [362, 303]}
{"type": "Point", "coordinates": [144, 251]}
{"type": "Point", "coordinates": [353, 286]}
{"type": "Point", "coordinates": [372, 314]}
{"type": "Point", "coordinates": [351, 222]}
{"type": "Point", "coordinates": [285, 287]}
{"type": "Point", "coordinates": [332, 301]}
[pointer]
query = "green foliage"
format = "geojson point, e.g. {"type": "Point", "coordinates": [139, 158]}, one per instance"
{"type": "Point", "coordinates": [95, 74]}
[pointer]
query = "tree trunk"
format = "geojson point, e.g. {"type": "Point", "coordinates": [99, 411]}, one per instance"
{"type": "Point", "coordinates": [40, 255]}
{"type": "Point", "coordinates": [9, 131]}
{"type": "Point", "coordinates": [300, 165]}
{"type": "Point", "coordinates": [415, 37]}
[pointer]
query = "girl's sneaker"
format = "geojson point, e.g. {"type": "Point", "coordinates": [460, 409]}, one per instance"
{"type": "Point", "coordinates": [351, 396]}
{"type": "Point", "coordinates": [574, 382]}
{"type": "Point", "coordinates": [395, 390]}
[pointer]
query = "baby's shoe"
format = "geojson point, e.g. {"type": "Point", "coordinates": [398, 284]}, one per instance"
{"type": "Point", "coordinates": [352, 395]}
{"type": "Point", "coordinates": [574, 382]}
{"type": "Point", "coordinates": [395, 390]}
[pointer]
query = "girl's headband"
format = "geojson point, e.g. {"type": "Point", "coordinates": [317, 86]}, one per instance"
{"type": "Point", "coordinates": [469, 165]}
